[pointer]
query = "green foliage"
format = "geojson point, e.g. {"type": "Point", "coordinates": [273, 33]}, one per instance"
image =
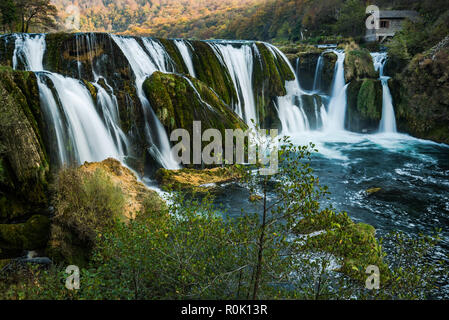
{"type": "Point", "coordinates": [191, 251]}
{"type": "Point", "coordinates": [417, 37]}
{"type": "Point", "coordinates": [358, 65]}
{"type": "Point", "coordinates": [25, 236]}
{"type": "Point", "coordinates": [8, 13]}
{"type": "Point", "coordinates": [85, 203]}
{"type": "Point", "coordinates": [351, 19]}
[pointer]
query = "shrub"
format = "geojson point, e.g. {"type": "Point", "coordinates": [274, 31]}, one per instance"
{"type": "Point", "coordinates": [86, 203]}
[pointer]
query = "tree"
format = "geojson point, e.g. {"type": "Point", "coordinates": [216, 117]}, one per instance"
{"type": "Point", "coordinates": [351, 20]}
{"type": "Point", "coordinates": [37, 12]}
{"type": "Point", "coordinates": [8, 12]}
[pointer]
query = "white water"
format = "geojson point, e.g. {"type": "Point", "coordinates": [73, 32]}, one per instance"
{"type": "Point", "coordinates": [162, 61]}
{"type": "Point", "coordinates": [292, 117]}
{"type": "Point", "coordinates": [239, 62]}
{"type": "Point", "coordinates": [388, 121]}
{"type": "Point", "coordinates": [337, 104]}
{"type": "Point", "coordinates": [51, 111]}
{"type": "Point", "coordinates": [30, 51]}
{"type": "Point", "coordinates": [109, 107]}
{"type": "Point", "coordinates": [73, 114]}
{"type": "Point", "coordinates": [318, 72]}
{"type": "Point", "coordinates": [291, 113]}
{"type": "Point", "coordinates": [186, 55]}
{"type": "Point", "coordinates": [143, 66]}
{"type": "Point", "coordinates": [89, 136]}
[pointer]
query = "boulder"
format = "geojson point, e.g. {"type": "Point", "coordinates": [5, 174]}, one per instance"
{"type": "Point", "coordinates": [24, 167]}
{"type": "Point", "coordinates": [421, 96]}
{"type": "Point", "coordinates": [358, 65]}
{"type": "Point", "coordinates": [364, 105]}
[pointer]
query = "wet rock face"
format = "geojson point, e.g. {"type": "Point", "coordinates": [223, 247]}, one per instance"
{"type": "Point", "coordinates": [179, 100]}
{"type": "Point", "coordinates": [270, 72]}
{"type": "Point", "coordinates": [364, 105]}
{"type": "Point", "coordinates": [32, 234]}
{"type": "Point", "coordinates": [421, 96]}
{"type": "Point", "coordinates": [359, 65]}
{"type": "Point", "coordinates": [306, 67]}
{"type": "Point", "coordinates": [311, 105]}
{"type": "Point", "coordinates": [306, 64]}
{"type": "Point", "coordinates": [327, 76]}
{"type": "Point", "coordinates": [82, 55]}
{"type": "Point", "coordinates": [24, 166]}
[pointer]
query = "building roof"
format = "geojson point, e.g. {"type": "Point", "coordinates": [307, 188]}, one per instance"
{"type": "Point", "coordinates": [399, 14]}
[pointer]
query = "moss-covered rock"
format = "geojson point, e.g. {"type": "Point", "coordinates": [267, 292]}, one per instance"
{"type": "Point", "coordinates": [354, 243]}
{"type": "Point", "coordinates": [180, 100]}
{"type": "Point", "coordinates": [421, 96]}
{"type": "Point", "coordinates": [311, 105]}
{"type": "Point", "coordinates": [24, 166]}
{"type": "Point", "coordinates": [293, 51]}
{"type": "Point", "coordinates": [79, 55]}
{"type": "Point", "coordinates": [129, 200]}
{"type": "Point", "coordinates": [30, 235]}
{"type": "Point", "coordinates": [364, 105]}
{"type": "Point", "coordinates": [327, 76]}
{"type": "Point", "coordinates": [270, 72]}
{"type": "Point", "coordinates": [358, 65]}
{"type": "Point", "coordinates": [196, 180]}
{"type": "Point", "coordinates": [175, 55]}
{"type": "Point", "coordinates": [7, 45]}
{"type": "Point", "coordinates": [209, 70]}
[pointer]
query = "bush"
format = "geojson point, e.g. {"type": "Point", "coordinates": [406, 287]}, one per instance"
{"type": "Point", "coordinates": [86, 203]}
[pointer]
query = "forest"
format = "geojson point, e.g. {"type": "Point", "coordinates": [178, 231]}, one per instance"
{"type": "Point", "coordinates": [265, 20]}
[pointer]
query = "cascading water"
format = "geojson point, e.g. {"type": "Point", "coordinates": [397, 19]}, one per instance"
{"type": "Point", "coordinates": [318, 72]}
{"type": "Point", "coordinates": [239, 62]}
{"type": "Point", "coordinates": [88, 135]}
{"type": "Point", "coordinates": [186, 49]}
{"type": "Point", "coordinates": [143, 66]}
{"type": "Point", "coordinates": [291, 114]}
{"type": "Point", "coordinates": [292, 117]}
{"type": "Point", "coordinates": [29, 49]}
{"type": "Point", "coordinates": [337, 103]}
{"type": "Point", "coordinates": [76, 123]}
{"type": "Point", "coordinates": [388, 120]}
{"type": "Point", "coordinates": [161, 59]}
{"type": "Point", "coordinates": [109, 107]}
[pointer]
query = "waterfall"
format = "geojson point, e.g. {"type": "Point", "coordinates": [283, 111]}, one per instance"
{"type": "Point", "coordinates": [106, 100]}
{"type": "Point", "coordinates": [109, 107]}
{"type": "Point", "coordinates": [53, 116]}
{"type": "Point", "coordinates": [144, 66]}
{"type": "Point", "coordinates": [161, 59]}
{"type": "Point", "coordinates": [86, 130]}
{"type": "Point", "coordinates": [291, 114]}
{"type": "Point", "coordinates": [318, 72]}
{"type": "Point", "coordinates": [186, 49]}
{"type": "Point", "coordinates": [29, 49]}
{"type": "Point", "coordinates": [79, 131]}
{"type": "Point", "coordinates": [337, 103]}
{"type": "Point", "coordinates": [388, 120]}
{"type": "Point", "coordinates": [239, 63]}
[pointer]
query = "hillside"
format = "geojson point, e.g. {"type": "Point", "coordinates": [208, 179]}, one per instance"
{"type": "Point", "coordinates": [151, 17]}
{"type": "Point", "coordinates": [291, 20]}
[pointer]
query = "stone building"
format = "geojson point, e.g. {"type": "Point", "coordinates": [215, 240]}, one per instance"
{"type": "Point", "coordinates": [390, 22]}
